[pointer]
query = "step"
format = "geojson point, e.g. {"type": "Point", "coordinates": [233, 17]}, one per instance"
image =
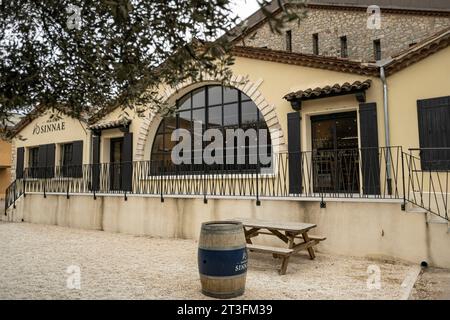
{"type": "Point", "coordinates": [435, 219]}
{"type": "Point", "coordinates": [412, 208]}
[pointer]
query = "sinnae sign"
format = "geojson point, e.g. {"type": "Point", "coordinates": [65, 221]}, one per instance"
{"type": "Point", "coordinates": [53, 124]}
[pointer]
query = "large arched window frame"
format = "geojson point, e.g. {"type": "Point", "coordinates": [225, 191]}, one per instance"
{"type": "Point", "coordinates": [216, 107]}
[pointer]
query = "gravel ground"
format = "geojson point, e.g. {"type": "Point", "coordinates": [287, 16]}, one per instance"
{"type": "Point", "coordinates": [433, 284]}
{"type": "Point", "coordinates": [34, 261]}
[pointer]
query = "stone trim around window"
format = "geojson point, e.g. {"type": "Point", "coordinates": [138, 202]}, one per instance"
{"type": "Point", "coordinates": [240, 82]}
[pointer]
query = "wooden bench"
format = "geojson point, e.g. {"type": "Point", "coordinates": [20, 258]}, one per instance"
{"type": "Point", "coordinates": [287, 232]}
{"type": "Point", "coordinates": [283, 253]}
{"type": "Point", "coordinates": [267, 249]}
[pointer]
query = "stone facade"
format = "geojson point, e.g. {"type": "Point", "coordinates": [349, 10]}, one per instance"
{"type": "Point", "coordinates": [397, 33]}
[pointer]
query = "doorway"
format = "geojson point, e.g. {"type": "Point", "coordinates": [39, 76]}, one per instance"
{"type": "Point", "coordinates": [116, 160]}
{"type": "Point", "coordinates": [335, 153]}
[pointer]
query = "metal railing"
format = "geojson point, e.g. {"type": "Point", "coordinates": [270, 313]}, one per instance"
{"type": "Point", "coordinates": [370, 173]}
{"type": "Point", "coordinates": [427, 179]}
{"type": "Point", "coordinates": [14, 191]}
{"type": "Point", "coordinates": [350, 173]}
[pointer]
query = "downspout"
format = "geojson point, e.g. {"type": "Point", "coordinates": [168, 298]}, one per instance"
{"type": "Point", "coordinates": [387, 132]}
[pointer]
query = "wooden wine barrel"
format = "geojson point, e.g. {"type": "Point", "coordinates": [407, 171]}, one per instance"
{"type": "Point", "coordinates": [222, 259]}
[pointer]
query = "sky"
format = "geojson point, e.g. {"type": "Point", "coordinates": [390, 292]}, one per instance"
{"type": "Point", "coordinates": [245, 8]}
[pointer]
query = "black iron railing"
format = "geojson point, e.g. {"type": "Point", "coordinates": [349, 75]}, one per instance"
{"type": "Point", "coordinates": [351, 173]}
{"type": "Point", "coordinates": [13, 193]}
{"type": "Point", "coordinates": [370, 173]}
{"type": "Point", "coordinates": [427, 180]}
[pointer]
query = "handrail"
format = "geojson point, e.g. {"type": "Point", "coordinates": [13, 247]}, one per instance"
{"type": "Point", "coordinates": [13, 193]}
{"type": "Point", "coordinates": [428, 182]}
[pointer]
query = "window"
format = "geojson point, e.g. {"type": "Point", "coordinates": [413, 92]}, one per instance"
{"type": "Point", "coordinates": [41, 161]}
{"type": "Point", "coordinates": [377, 49]}
{"type": "Point", "coordinates": [434, 132]}
{"type": "Point", "coordinates": [210, 107]}
{"type": "Point", "coordinates": [66, 159]}
{"type": "Point", "coordinates": [289, 41]}
{"type": "Point", "coordinates": [344, 47]}
{"type": "Point", "coordinates": [33, 162]}
{"type": "Point", "coordinates": [316, 43]}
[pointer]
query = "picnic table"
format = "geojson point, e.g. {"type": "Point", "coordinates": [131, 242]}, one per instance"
{"type": "Point", "coordinates": [287, 232]}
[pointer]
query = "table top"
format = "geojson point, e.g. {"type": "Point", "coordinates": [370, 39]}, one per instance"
{"type": "Point", "coordinates": [297, 227]}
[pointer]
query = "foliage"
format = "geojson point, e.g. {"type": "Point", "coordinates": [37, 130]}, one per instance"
{"type": "Point", "coordinates": [85, 55]}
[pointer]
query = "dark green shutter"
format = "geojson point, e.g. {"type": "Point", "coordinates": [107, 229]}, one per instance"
{"type": "Point", "coordinates": [20, 158]}
{"type": "Point", "coordinates": [77, 159]}
{"type": "Point", "coordinates": [434, 132]}
{"type": "Point", "coordinates": [295, 157]}
{"type": "Point", "coordinates": [127, 162]}
{"type": "Point", "coordinates": [370, 164]}
{"type": "Point", "coordinates": [95, 163]}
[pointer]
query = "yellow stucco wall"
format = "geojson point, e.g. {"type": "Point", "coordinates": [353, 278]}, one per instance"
{"type": "Point", "coordinates": [429, 78]}
{"type": "Point", "coordinates": [281, 79]}
{"type": "Point", "coordinates": [425, 79]}
{"type": "Point", "coordinates": [5, 153]}
{"type": "Point", "coordinates": [5, 166]}
{"type": "Point", "coordinates": [276, 80]}
{"type": "Point", "coordinates": [74, 130]}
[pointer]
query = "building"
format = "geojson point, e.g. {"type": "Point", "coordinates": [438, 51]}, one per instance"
{"type": "Point", "coordinates": [5, 159]}
{"type": "Point", "coordinates": [5, 167]}
{"type": "Point", "coordinates": [339, 28]}
{"type": "Point", "coordinates": [361, 149]}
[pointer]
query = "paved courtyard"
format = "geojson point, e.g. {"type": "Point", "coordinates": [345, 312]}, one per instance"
{"type": "Point", "coordinates": [37, 262]}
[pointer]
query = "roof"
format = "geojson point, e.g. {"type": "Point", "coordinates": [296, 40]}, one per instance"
{"type": "Point", "coordinates": [425, 7]}
{"type": "Point", "coordinates": [124, 122]}
{"type": "Point", "coordinates": [307, 60]}
{"type": "Point", "coordinates": [422, 5]}
{"type": "Point", "coordinates": [329, 91]}
{"type": "Point", "coordinates": [420, 51]}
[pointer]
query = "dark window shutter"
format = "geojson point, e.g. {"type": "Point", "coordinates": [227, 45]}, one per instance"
{"type": "Point", "coordinates": [370, 164]}
{"type": "Point", "coordinates": [50, 160]}
{"type": "Point", "coordinates": [434, 132]}
{"type": "Point", "coordinates": [42, 162]}
{"type": "Point", "coordinates": [95, 163]}
{"type": "Point", "coordinates": [77, 159]}
{"type": "Point", "coordinates": [127, 162]}
{"type": "Point", "coordinates": [20, 158]}
{"type": "Point", "coordinates": [46, 161]}
{"type": "Point", "coordinates": [295, 157]}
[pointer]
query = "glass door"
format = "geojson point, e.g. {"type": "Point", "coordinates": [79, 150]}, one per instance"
{"type": "Point", "coordinates": [335, 153]}
{"type": "Point", "coordinates": [116, 164]}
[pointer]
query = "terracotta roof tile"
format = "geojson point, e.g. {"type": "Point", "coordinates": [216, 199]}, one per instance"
{"type": "Point", "coordinates": [306, 60]}
{"type": "Point", "coordinates": [420, 51]}
{"type": "Point", "coordinates": [327, 91]}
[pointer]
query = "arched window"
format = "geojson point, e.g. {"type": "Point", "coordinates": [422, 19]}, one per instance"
{"type": "Point", "coordinates": [213, 107]}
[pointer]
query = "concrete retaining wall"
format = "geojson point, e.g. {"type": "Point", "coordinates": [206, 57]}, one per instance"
{"type": "Point", "coordinates": [370, 229]}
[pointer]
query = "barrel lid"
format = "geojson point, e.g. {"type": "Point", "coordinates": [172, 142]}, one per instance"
{"type": "Point", "coordinates": [222, 225]}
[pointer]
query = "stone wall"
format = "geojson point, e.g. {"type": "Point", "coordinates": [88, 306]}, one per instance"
{"type": "Point", "coordinates": [397, 33]}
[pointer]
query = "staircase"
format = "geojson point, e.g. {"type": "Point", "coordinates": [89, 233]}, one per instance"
{"type": "Point", "coordinates": [426, 190]}
{"type": "Point", "coordinates": [431, 218]}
